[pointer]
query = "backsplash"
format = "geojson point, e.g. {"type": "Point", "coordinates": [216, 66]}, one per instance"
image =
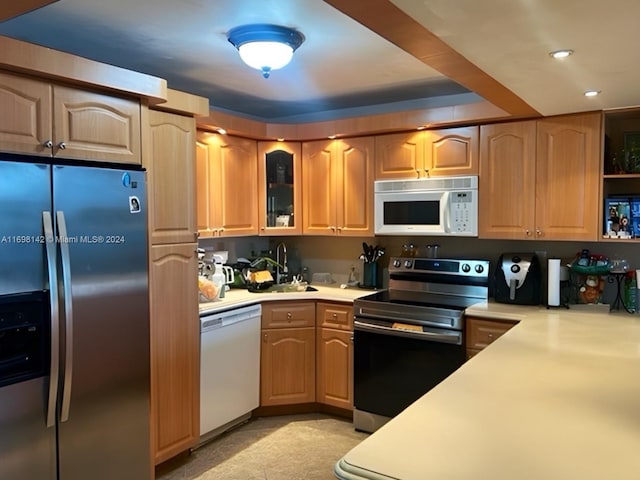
{"type": "Point", "coordinates": [337, 255]}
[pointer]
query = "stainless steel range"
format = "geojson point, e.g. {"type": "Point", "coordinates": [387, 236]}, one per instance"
{"type": "Point", "coordinates": [410, 337]}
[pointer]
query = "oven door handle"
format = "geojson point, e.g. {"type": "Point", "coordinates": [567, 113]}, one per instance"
{"type": "Point", "coordinates": [364, 312]}
{"type": "Point", "coordinates": [449, 337]}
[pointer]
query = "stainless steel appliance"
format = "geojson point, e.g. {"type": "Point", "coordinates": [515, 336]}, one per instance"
{"type": "Point", "coordinates": [427, 206]}
{"type": "Point", "coordinates": [517, 279]}
{"type": "Point", "coordinates": [74, 322]}
{"type": "Point", "coordinates": [410, 337]}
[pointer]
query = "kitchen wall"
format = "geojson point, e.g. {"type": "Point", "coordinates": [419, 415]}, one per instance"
{"type": "Point", "coordinates": [337, 255]}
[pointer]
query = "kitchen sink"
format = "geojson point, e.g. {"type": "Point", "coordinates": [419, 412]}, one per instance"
{"type": "Point", "coordinates": [285, 288]}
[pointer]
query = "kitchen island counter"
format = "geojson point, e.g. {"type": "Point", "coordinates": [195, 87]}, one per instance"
{"type": "Point", "coordinates": [556, 397]}
{"type": "Point", "coordinates": [239, 297]}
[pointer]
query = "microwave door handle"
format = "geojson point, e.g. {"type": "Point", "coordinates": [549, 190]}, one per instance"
{"type": "Point", "coordinates": [446, 212]}
{"type": "Point", "coordinates": [54, 373]}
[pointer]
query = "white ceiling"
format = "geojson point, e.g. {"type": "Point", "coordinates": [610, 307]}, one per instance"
{"type": "Point", "coordinates": [343, 68]}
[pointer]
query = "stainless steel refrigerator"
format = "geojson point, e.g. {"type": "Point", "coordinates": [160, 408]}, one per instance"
{"type": "Point", "coordinates": [74, 322]}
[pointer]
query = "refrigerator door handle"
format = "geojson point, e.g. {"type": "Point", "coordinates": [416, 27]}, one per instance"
{"type": "Point", "coordinates": [68, 315]}
{"type": "Point", "coordinates": [54, 373]}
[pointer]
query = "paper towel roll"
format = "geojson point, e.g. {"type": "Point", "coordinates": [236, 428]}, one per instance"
{"type": "Point", "coordinates": [553, 282]}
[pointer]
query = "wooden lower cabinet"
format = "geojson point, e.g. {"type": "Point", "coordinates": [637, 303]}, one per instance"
{"type": "Point", "coordinates": [334, 367]}
{"type": "Point", "coordinates": [288, 353]}
{"type": "Point", "coordinates": [481, 332]}
{"type": "Point", "coordinates": [175, 349]}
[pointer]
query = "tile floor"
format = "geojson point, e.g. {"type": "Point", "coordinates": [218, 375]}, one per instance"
{"type": "Point", "coordinates": [288, 447]}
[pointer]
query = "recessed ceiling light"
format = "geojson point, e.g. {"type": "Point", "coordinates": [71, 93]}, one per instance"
{"type": "Point", "coordinates": [592, 93]}
{"type": "Point", "coordinates": [561, 53]}
{"type": "Point", "coordinates": [280, 139]}
{"type": "Point", "coordinates": [332, 137]}
{"type": "Point", "coordinates": [221, 131]}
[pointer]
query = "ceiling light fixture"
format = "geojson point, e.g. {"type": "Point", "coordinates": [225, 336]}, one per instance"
{"type": "Point", "coordinates": [561, 53]}
{"type": "Point", "coordinates": [592, 93]}
{"type": "Point", "coordinates": [265, 47]}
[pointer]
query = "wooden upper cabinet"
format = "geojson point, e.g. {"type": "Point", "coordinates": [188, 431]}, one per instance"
{"type": "Point", "coordinates": [25, 115]}
{"type": "Point", "coordinates": [171, 175]}
{"type": "Point", "coordinates": [94, 126]}
{"type": "Point", "coordinates": [568, 174]}
{"type": "Point", "coordinates": [452, 151]}
{"type": "Point", "coordinates": [429, 153]}
{"type": "Point", "coordinates": [230, 185]}
{"type": "Point", "coordinates": [338, 187]}
{"type": "Point", "coordinates": [280, 188]}
{"type": "Point", "coordinates": [39, 118]}
{"type": "Point", "coordinates": [399, 155]}
{"type": "Point", "coordinates": [540, 179]}
{"type": "Point", "coordinates": [506, 191]}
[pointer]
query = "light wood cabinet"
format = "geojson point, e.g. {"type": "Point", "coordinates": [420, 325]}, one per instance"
{"type": "Point", "coordinates": [170, 168]}
{"type": "Point", "coordinates": [175, 349]}
{"type": "Point", "coordinates": [481, 332]}
{"type": "Point", "coordinates": [227, 186]}
{"type": "Point", "coordinates": [288, 354]}
{"type": "Point", "coordinates": [280, 187]}
{"type": "Point", "coordinates": [334, 355]}
{"type": "Point", "coordinates": [337, 179]}
{"type": "Point", "coordinates": [539, 180]}
{"type": "Point", "coordinates": [45, 119]}
{"type": "Point", "coordinates": [428, 153]}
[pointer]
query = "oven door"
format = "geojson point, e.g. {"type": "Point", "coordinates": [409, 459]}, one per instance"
{"type": "Point", "coordinates": [394, 366]}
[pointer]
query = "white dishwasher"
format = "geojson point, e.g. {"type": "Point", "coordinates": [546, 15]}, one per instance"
{"type": "Point", "coordinates": [229, 368]}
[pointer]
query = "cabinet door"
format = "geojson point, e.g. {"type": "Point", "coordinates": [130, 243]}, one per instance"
{"type": "Point", "coordinates": [280, 188]}
{"type": "Point", "coordinates": [568, 177]}
{"type": "Point", "coordinates": [506, 189]}
{"type": "Point", "coordinates": [334, 383]}
{"type": "Point", "coordinates": [25, 115]}
{"type": "Point", "coordinates": [287, 366]}
{"type": "Point", "coordinates": [452, 151]}
{"type": "Point", "coordinates": [238, 185]}
{"type": "Point", "coordinates": [206, 213]}
{"type": "Point", "coordinates": [94, 126]}
{"type": "Point", "coordinates": [399, 155]}
{"type": "Point", "coordinates": [354, 186]}
{"type": "Point", "coordinates": [318, 188]}
{"type": "Point", "coordinates": [171, 167]}
{"type": "Point", "coordinates": [175, 349]}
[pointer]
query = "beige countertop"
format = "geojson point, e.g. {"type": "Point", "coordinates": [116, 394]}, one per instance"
{"type": "Point", "coordinates": [556, 397]}
{"type": "Point", "coordinates": [239, 297]}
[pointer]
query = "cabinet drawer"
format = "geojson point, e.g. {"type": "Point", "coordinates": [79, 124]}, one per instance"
{"type": "Point", "coordinates": [288, 314]}
{"type": "Point", "coordinates": [334, 315]}
{"type": "Point", "coordinates": [482, 332]}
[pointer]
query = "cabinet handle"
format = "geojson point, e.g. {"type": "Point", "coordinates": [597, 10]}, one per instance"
{"type": "Point", "coordinates": [335, 315]}
{"type": "Point", "coordinates": [62, 145]}
{"type": "Point", "coordinates": [339, 229]}
{"type": "Point", "coordinates": [538, 232]}
{"type": "Point", "coordinates": [426, 172]}
{"type": "Point", "coordinates": [418, 172]}
{"type": "Point", "coordinates": [351, 338]}
{"type": "Point", "coordinates": [48, 144]}
{"type": "Point", "coordinates": [264, 338]}
{"type": "Point", "coordinates": [490, 336]}
{"type": "Point", "coordinates": [289, 316]}
{"type": "Point", "coordinates": [333, 229]}
{"type": "Point", "coordinates": [527, 233]}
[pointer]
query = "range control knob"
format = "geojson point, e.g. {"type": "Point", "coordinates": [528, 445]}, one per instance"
{"type": "Point", "coordinates": [397, 263]}
{"type": "Point", "coordinates": [515, 268]}
{"type": "Point", "coordinates": [407, 264]}
{"type": "Point", "coordinates": [479, 269]}
{"type": "Point", "coordinates": [466, 268]}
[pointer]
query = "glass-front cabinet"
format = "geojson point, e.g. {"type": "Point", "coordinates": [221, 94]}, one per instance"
{"type": "Point", "coordinates": [279, 188]}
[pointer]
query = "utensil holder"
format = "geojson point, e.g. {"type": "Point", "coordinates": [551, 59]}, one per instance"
{"type": "Point", "coordinates": [370, 275]}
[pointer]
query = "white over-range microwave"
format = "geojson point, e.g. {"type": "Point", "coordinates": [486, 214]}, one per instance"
{"type": "Point", "coordinates": [427, 206]}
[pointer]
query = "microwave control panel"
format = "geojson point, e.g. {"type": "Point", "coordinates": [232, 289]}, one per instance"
{"type": "Point", "coordinates": [462, 212]}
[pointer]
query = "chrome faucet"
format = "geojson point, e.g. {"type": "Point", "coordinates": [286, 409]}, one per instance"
{"type": "Point", "coordinates": [281, 268]}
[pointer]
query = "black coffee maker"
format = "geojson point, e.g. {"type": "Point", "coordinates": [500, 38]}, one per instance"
{"type": "Point", "coordinates": [517, 279]}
